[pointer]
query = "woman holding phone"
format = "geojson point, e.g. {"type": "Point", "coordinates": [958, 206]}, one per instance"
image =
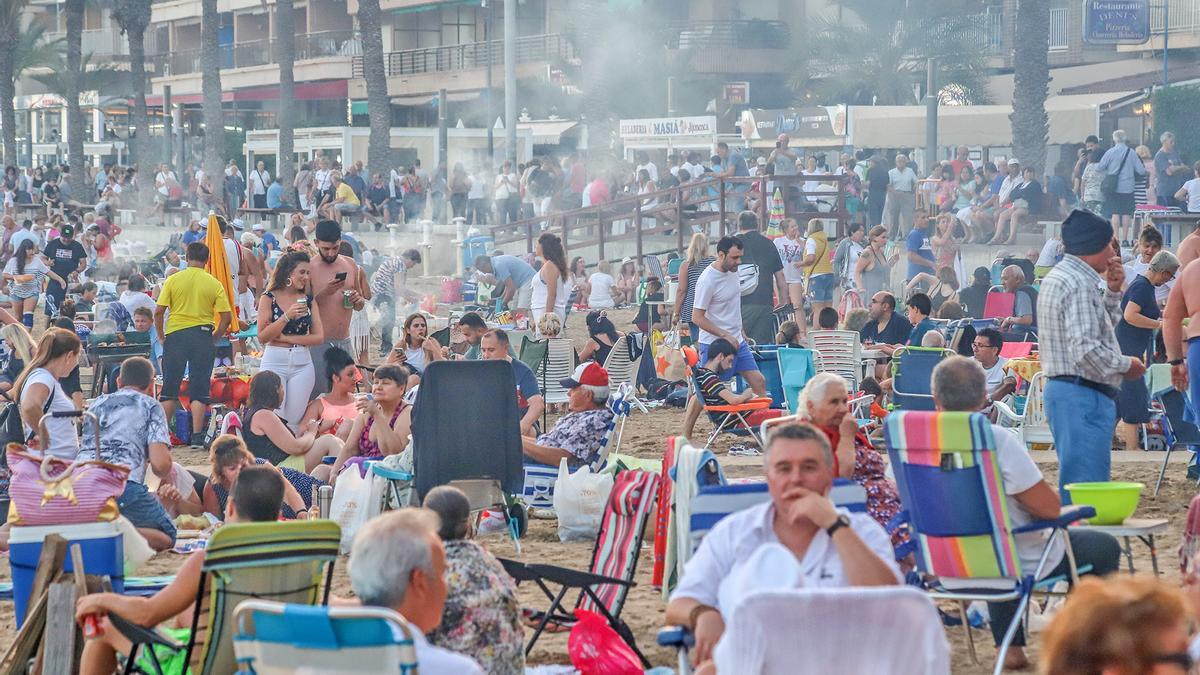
{"type": "Point", "coordinates": [287, 327]}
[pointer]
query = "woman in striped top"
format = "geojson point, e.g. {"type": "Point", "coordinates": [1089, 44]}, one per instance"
{"type": "Point", "coordinates": [689, 273]}
{"type": "Point", "coordinates": [26, 273]}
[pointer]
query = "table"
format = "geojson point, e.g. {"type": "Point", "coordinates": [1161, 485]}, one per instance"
{"type": "Point", "coordinates": [1024, 368]}
{"type": "Point", "coordinates": [1142, 528]}
{"type": "Point", "coordinates": [1167, 222]}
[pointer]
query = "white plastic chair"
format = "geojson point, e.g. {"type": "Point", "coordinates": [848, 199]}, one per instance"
{"type": "Point", "coordinates": [819, 630]}
{"type": "Point", "coordinates": [621, 370]}
{"type": "Point", "coordinates": [841, 353]}
{"type": "Point", "coordinates": [1033, 426]}
{"type": "Point", "coordinates": [559, 364]}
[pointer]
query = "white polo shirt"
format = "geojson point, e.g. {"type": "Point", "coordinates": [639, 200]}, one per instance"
{"type": "Point", "coordinates": [738, 535]}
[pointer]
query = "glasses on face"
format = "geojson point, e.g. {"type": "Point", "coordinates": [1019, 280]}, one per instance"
{"type": "Point", "coordinates": [980, 345]}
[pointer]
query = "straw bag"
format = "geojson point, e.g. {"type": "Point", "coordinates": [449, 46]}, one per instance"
{"type": "Point", "coordinates": [52, 491]}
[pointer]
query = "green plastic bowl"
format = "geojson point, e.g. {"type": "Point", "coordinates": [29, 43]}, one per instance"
{"type": "Point", "coordinates": [1114, 501]}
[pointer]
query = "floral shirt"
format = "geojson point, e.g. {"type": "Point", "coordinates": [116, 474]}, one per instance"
{"type": "Point", "coordinates": [482, 618]}
{"type": "Point", "coordinates": [579, 433]}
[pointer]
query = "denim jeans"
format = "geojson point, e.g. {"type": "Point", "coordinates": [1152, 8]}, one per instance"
{"type": "Point", "coordinates": [1082, 421]}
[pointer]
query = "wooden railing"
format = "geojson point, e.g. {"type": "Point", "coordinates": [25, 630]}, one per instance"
{"type": "Point", "coordinates": [674, 211]}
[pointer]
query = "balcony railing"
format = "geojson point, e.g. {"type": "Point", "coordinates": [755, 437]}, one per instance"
{"type": "Point", "coordinates": [754, 34]}
{"type": "Point", "coordinates": [1060, 38]}
{"type": "Point", "coordinates": [987, 31]}
{"type": "Point", "coordinates": [261, 52]}
{"type": "Point", "coordinates": [1184, 16]}
{"type": "Point", "coordinates": [105, 45]}
{"type": "Point", "coordinates": [530, 49]}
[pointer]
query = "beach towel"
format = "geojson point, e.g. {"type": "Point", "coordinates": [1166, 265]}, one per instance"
{"type": "Point", "coordinates": [694, 468]}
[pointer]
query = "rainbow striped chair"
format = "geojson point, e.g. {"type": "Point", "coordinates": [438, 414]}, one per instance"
{"type": "Point", "coordinates": [957, 515]}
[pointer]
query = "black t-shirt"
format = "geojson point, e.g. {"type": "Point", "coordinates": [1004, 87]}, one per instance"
{"type": "Point", "coordinates": [50, 192]}
{"type": "Point", "coordinates": [64, 258]}
{"type": "Point", "coordinates": [760, 251]}
{"type": "Point", "coordinates": [877, 179]}
{"type": "Point", "coordinates": [895, 333]}
{"type": "Point", "coordinates": [378, 194]}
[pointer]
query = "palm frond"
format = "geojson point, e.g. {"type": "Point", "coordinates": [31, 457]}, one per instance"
{"type": "Point", "coordinates": [33, 50]}
{"type": "Point", "coordinates": [92, 77]}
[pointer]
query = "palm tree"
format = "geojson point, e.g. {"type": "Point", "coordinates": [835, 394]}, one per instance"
{"type": "Point", "coordinates": [133, 16]}
{"type": "Point", "coordinates": [73, 75]}
{"type": "Point", "coordinates": [214, 117]}
{"type": "Point", "coordinates": [1031, 81]}
{"type": "Point", "coordinates": [379, 106]}
{"type": "Point", "coordinates": [30, 49]}
{"type": "Point", "coordinates": [285, 55]}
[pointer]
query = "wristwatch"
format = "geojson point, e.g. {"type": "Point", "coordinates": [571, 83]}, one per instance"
{"type": "Point", "coordinates": [842, 521]}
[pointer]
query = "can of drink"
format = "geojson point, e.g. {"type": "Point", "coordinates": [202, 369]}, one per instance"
{"type": "Point", "coordinates": [302, 301]}
{"type": "Point", "coordinates": [346, 301]}
{"type": "Point", "coordinates": [324, 500]}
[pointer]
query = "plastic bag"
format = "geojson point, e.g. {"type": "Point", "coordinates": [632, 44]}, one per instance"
{"type": "Point", "coordinates": [356, 499]}
{"type": "Point", "coordinates": [579, 500]}
{"type": "Point", "coordinates": [137, 549]}
{"type": "Point", "coordinates": [596, 649]}
{"type": "Point", "coordinates": [429, 303]}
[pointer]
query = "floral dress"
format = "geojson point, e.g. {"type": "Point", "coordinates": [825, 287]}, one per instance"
{"type": "Point", "coordinates": [883, 499]}
{"type": "Point", "coordinates": [482, 618]}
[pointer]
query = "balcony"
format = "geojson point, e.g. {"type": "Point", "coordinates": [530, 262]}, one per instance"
{"type": "Point", "coordinates": [530, 49]}
{"type": "Point", "coordinates": [261, 52]}
{"type": "Point", "coordinates": [106, 45]}
{"type": "Point", "coordinates": [702, 35]}
{"type": "Point", "coordinates": [987, 31]}
{"type": "Point", "coordinates": [1183, 16]}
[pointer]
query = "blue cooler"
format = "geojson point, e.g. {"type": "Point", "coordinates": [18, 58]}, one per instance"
{"type": "Point", "coordinates": [473, 247]}
{"type": "Point", "coordinates": [103, 554]}
{"type": "Point", "coordinates": [768, 364]}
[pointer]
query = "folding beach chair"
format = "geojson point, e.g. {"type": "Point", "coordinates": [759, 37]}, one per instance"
{"type": "Point", "coordinates": [533, 353]}
{"type": "Point", "coordinates": [734, 418]}
{"type": "Point", "coordinates": [796, 368]}
{"type": "Point", "coordinates": [1017, 350]}
{"type": "Point", "coordinates": [956, 512]}
{"type": "Point", "coordinates": [999, 304]}
{"type": "Point", "coordinates": [1178, 431]}
{"type": "Point", "coordinates": [1032, 425]}
{"type": "Point", "coordinates": [912, 376]}
{"type": "Point", "coordinates": [277, 639]}
{"type": "Point", "coordinates": [604, 587]}
{"type": "Point", "coordinates": [622, 369]}
{"type": "Point", "coordinates": [286, 561]}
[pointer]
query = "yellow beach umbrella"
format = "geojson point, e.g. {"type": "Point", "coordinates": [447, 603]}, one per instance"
{"type": "Point", "coordinates": [218, 266]}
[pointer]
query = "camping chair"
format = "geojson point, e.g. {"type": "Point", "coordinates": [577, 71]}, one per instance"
{"type": "Point", "coordinates": [604, 587]}
{"type": "Point", "coordinates": [621, 369]}
{"type": "Point", "coordinates": [1017, 350]}
{"type": "Point", "coordinates": [841, 353]}
{"type": "Point", "coordinates": [285, 561]}
{"type": "Point", "coordinates": [533, 353]}
{"type": "Point", "coordinates": [796, 368]}
{"type": "Point", "coordinates": [999, 304]}
{"type": "Point", "coordinates": [967, 552]}
{"type": "Point", "coordinates": [732, 417]}
{"type": "Point", "coordinates": [654, 268]}
{"type": "Point", "coordinates": [1032, 425]}
{"type": "Point", "coordinates": [1178, 431]}
{"type": "Point", "coordinates": [912, 376]}
{"type": "Point", "coordinates": [273, 637]}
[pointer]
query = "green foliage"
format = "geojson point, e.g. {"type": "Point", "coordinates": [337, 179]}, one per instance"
{"type": "Point", "coordinates": [101, 78]}
{"type": "Point", "coordinates": [1175, 111]}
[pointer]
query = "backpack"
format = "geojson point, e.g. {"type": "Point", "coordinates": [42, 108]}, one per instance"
{"type": "Point", "coordinates": [12, 429]}
{"type": "Point", "coordinates": [174, 191]}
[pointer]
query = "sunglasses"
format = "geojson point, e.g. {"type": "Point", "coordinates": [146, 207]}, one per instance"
{"type": "Point", "coordinates": [1181, 659]}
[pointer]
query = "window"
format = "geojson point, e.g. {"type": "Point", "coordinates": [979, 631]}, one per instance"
{"type": "Point", "coordinates": [1059, 33]}
{"type": "Point", "coordinates": [459, 26]}
{"type": "Point", "coordinates": [417, 30]}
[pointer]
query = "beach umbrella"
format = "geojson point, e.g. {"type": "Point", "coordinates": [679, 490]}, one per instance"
{"type": "Point", "coordinates": [218, 266]}
{"type": "Point", "coordinates": [775, 218]}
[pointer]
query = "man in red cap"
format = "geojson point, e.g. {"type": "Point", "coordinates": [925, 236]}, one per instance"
{"type": "Point", "coordinates": [576, 436]}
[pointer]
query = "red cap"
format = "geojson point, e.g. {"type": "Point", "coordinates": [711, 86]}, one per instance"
{"type": "Point", "coordinates": [590, 373]}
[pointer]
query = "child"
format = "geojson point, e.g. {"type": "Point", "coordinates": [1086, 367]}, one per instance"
{"type": "Point", "coordinates": [789, 334]}
{"type": "Point", "coordinates": [143, 322]}
{"type": "Point", "coordinates": [827, 319]}
{"type": "Point", "coordinates": [647, 317]}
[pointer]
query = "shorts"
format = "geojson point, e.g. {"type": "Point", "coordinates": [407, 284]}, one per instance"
{"type": "Point", "coordinates": [347, 208]}
{"type": "Point", "coordinates": [191, 349]}
{"type": "Point", "coordinates": [523, 298]}
{"type": "Point", "coordinates": [144, 510]}
{"type": "Point", "coordinates": [758, 323]}
{"type": "Point", "coordinates": [820, 288]}
{"type": "Point", "coordinates": [1118, 204]}
{"type": "Point", "coordinates": [743, 362]}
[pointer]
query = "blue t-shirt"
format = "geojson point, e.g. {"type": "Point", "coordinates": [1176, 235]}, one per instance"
{"type": "Point", "coordinates": [918, 331]}
{"type": "Point", "coordinates": [189, 236]}
{"type": "Point", "coordinates": [270, 243]}
{"type": "Point", "coordinates": [895, 333]}
{"type": "Point", "coordinates": [739, 164]}
{"type": "Point", "coordinates": [527, 384]}
{"type": "Point", "coordinates": [275, 196]}
{"type": "Point", "coordinates": [918, 242]}
{"type": "Point", "coordinates": [506, 267]}
{"type": "Point", "coordinates": [997, 183]}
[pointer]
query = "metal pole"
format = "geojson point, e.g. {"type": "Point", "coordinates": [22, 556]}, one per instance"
{"type": "Point", "coordinates": [671, 96]}
{"type": "Point", "coordinates": [167, 126]}
{"type": "Point", "coordinates": [931, 112]}
{"type": "Point", "coordinates": [1166, 35]}
{"type": "Point", "coordinates": [29, 137]}
{"type": "Point", "coordinates": [443, 139]}
{"type": "Point", "coordinates": [488, 34]}
{"type": "Point", "coordinates": [510, 80]}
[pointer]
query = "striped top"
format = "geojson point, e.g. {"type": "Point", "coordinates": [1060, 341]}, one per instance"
{"type": "Point", "coordinates": [27, 289]}
{"type": "Point", "coordinates": [689, 298]}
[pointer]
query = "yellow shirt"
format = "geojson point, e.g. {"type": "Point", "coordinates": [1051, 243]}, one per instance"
{"type": "Point", "coordinates": [346, 194]}
{"type": "Point", "coordinates": [193, 296]}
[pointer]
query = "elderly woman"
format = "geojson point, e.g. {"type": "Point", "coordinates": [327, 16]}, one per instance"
{"type": "Point", "coordinates": [482, 618]}
{"type": "Point", "coordinates": [576, 435]}
{"type": "Point", "coordinates": [1140, 317]}
{"type": "Point", "coordinates": [823, 402]}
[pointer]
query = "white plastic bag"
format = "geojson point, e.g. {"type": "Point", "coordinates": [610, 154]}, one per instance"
{"type": "Point", "coordinates": [137, 549]}
{"type": "Point", "coordinates": [579, 500]}
{"type": "Point", "coordinates": [355, 501]}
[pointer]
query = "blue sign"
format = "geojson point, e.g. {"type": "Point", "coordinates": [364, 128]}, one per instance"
{"type": "Point", "coordinates": [1125, 22]}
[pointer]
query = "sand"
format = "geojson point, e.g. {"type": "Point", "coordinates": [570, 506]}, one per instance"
{"type": "Point", "coordinates": [645, 436]}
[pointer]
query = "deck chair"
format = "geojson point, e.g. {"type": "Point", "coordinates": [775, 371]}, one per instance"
{"type": "Point", "coordinates": [912, 376]}
{"type": "Point", "coordinates": [841, 353]}
{"type": "Point", "coordinates": [796, 368]}
{"type": "Point", "coordinates": [673, 266]}
{"type": "Point", "coordinates": [654, 268]}
{"type": "Point", "coordinates": [558, 365]}
{"type": "Point", "coordinates": [442, 335]}
{"type": "Point", "coordinates": [275, 638]}
{"type": "Point", "coordinates": [967, 552]}
{"type": "Point", "coordinates": [621, 369]}
{"type": "Point", "coordinates": [533, 353]}
{"type": "Point", "coordinates": [692, 470]}
{"type": "Point", "coordinates": [999, 304]}
{"type": "Point", "coordinates": [1017, 350]}
{"type": "Point", "coordinates": [604, 587]}
{"type": "Point", "coordinates": [1033, 426]}
{"type": "Point", "coordinates": [286, 561]}
{"type": "Point", "coordinates": [1176, 428]}
{"type": "Point", "coordinates": [823, 630]}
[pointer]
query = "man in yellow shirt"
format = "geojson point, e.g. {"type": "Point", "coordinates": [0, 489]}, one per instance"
{"type": "Point", "coordinates": [193, 297]}
{"type": "Point", "coordinates": [345, 201]}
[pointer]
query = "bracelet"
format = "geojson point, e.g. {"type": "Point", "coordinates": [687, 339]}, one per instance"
{"type": "Point", "coordinates": [696, 612]}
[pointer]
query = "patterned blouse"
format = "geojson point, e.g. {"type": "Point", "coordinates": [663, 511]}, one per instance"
{"type": "Point", "coordinates": [579, 433]}
{"type": "Point", "coordinates": [482, 618]}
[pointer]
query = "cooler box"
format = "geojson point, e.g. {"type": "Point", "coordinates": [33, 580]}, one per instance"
{"type": "Point", "coordinates": [768, 364]}
{"type": "Point", "coordinates": [103, 554]}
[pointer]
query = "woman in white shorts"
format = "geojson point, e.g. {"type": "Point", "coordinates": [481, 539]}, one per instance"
{"type": "Point", "coordinates": [791, 252]}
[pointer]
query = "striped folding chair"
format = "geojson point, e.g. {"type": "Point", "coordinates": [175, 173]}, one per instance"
{"type": "Point", "coordinates": [273, 637]}
{"type": "Point", "coordinates": [912, 376]}
{"type": "Point", "coordinates": [956, 512]}
{"type": "Point", "coordinates": [288, 561]}
{"type": "Point", "coordinates": [604, 587]}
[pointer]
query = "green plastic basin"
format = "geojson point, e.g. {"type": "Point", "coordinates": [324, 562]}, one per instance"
{"type": "Point", "coordinates": [1114, 501]}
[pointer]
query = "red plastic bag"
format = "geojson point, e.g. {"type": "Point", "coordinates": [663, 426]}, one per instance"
{"type": "Point", "coordinates": [596, 649]}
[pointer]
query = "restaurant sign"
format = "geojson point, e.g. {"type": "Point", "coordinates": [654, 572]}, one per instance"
{"type": "Point", "coordinates": [668, 127]}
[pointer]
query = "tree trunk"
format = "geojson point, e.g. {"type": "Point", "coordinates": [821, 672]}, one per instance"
{"type": "Point", "coordinates": [285, 55]}
{"type": "Point", "coordinates": [379, 107]}
{"type": "Point", "coordinates": [8, 112]}
{"type": "Point", "coordinates": [75, 122]}
{"type": "Point", "coordinates": [214, 116]}
{"type": "Point", "coordinates": [1031, 80]}
{"type": "Point", "coordinates": [143, 146]}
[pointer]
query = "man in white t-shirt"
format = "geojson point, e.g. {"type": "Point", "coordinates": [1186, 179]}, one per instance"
{"type": "Point", "coordinates": [717, 311]}
{"type": "Point", "coordinates": [644, 162]}
{"type": "Point", "coordinates": [1191, 192]}
{"type": "Point", "coordinates": [959, 384]}
{"type": "Point", "coordinates": [986, 348]}
{"type": "Point", "coordinates": [260, 180]}
{"type": "Point", "coordinates": [901, 196]}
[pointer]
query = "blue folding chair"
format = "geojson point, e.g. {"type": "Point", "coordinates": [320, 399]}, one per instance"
{"type": "Point", "coordinates": [796, 368]}
{"type": "Point", "coordinates": [912, 376]}
{"type": "Point", "coordinates": [1176, 429]}
{"type": "Point", "coordinates": [274, 637]}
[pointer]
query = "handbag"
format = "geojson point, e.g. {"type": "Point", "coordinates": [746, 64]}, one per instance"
{"type": "Point", "coordinates": [1109, 184]}
{"type": "Point", "coordinates": [52, 491]}
{"type": "Point", "coordinates": [748, 278]}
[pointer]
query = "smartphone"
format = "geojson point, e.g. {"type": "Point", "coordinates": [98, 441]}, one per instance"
{"type": "Point", "coordinates": [340, 276]}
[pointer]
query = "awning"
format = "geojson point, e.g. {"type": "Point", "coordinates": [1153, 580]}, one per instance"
{"type": "Point", "coordinates": [304, 91]}
{"type": "Point", "coordinates": [901, 126]}
{"type": "Point", "coordinates": [548, 132]}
